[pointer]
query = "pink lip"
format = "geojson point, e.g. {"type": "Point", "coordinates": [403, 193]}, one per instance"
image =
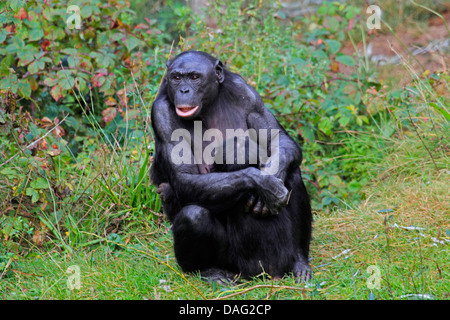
{"type": "Point", "coordinates": [186, 111]}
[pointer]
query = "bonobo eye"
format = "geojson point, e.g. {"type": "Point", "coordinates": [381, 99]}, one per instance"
{"type": "Point", "coordinates": [176, 78]}
{"type": "Point", "coordinates": [194, 77]}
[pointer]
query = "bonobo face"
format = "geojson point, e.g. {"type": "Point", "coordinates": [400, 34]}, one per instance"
{"type": "Point", "coordinates": [193, 81]}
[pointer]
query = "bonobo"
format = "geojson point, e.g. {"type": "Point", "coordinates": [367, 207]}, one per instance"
{"type": "Point", "coordinates": [228, 175]}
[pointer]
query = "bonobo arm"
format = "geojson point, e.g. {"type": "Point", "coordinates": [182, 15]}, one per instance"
{"type": "Point", "coordinates": [287, 154]}
{"type": "Point", "coordinates": [208, 189]}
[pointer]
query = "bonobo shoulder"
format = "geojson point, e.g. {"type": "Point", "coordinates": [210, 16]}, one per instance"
{"type": "Point", "coordinates": [160, 113]}
{"type": "Point", "coordinates": [248, 92]}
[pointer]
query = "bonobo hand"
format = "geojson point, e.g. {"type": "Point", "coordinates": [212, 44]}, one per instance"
{"type": "Point", "coordinates": [165, 192]}
{"type": "Point", "coordinates": [271, 196]}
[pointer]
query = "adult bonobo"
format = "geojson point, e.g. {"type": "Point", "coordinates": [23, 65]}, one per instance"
{"type": "Point", "coordinates": [230, 213]}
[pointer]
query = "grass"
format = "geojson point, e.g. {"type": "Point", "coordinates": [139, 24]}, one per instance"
{"type": "Point", "coordinates": [403, 228]}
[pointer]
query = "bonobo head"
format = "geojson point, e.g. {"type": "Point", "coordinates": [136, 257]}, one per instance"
{"type": "Point", "coordinates": [193, 80]}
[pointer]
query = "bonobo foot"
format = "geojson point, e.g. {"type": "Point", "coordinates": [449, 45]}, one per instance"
{"type": "Point", "coordinates": [221, 277]}
{"type": "Point", "coordinates": [302, 271]}
{"type": "Point", "coordinates": [165, 192]}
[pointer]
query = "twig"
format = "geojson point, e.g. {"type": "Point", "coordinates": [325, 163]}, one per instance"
{"type": "Point", "coordinates": [6, 268]}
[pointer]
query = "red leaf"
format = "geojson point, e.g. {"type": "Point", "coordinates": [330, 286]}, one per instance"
{"type": "Point", "coordinates": [98, 80]}
{"type": "Point", "coordinates": [57, 92]}
{"type": "Point", "coordinates": [351, 23]}
{"type": "Point", "coordinates": [141, 26]}
{"type": "Point", "coordinates": [45, 44]}
{"type": "Point", "coordinates": [43, 145]}
{"type": "Point", "coordinates": [110, 101]}
{"type": "Point", "coordinates": [54, 152]}
{"type": "Point", "coordinates": [22, 14]}
{"type": "Point", "coordinates": [109, 114]}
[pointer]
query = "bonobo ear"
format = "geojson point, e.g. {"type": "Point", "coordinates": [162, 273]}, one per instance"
{"type": "Point", "coordinates": [168, 63]}
{"type": "Point", "coordinates": [218, 66]}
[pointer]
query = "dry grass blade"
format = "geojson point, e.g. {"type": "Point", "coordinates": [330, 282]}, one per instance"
{"type": "Point", "coordinates": [260, 286]}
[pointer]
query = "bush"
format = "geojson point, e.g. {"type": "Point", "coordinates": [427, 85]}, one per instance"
{"type": "Point", "coordinates": [69, 98]}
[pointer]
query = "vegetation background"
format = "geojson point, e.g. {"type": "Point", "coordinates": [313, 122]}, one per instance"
{"type": "Point", "coordinates": [79, 218]}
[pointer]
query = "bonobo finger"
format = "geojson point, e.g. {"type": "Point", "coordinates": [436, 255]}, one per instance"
{"type": "Point", "coordinates": [250, 203]}
{"type": "Point", "coordinates": [258, 208]}
{"type": "Point", "coordinates": [265, 210]}
{"type": "Point", "coordinates": [161, 187]}
{"type": "Point", "coordinates": [165, 191]}
{"type": "Point", "coordinates": [275, 186]}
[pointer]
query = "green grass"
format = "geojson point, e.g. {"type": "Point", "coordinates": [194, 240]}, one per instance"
{"type": "Point", "coordinates": [412, 262]}
{"type": "Point", "coordinates": [381, 232]}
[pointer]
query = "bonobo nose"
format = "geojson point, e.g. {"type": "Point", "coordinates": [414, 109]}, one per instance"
{"type": "Point", "coordinates": [184, 90]}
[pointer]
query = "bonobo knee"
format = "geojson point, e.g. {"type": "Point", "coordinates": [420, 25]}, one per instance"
{"type": "Point", "coordinates": [193, 217]}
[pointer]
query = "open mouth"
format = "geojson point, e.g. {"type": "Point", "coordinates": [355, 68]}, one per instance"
{"type": "Point", "coordinates": [185, 110]}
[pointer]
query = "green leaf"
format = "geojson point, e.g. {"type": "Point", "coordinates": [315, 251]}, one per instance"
{"type": "Point", "coordinates": [36, 66]}
{"type": "Point", "coordinates": [444, 112]}
{"type": "Point", "coordinates": [385, 210]}
{"type": "Point", "coordinates": [33, 194]}
{"type": "Point", "coordinates": [50, 82]}
{"type": "Point", "coordinates": [34, 131]}
{"type": "Point", "coordinates": [333, 45]}
{"type": "Point", "coordinates": [131, 43]}
{"type": "Point", "coordinates": [333, 23]}
{"type": "Point", "coordinates": [67, 83]}
{"type": "Point", "coordinates": [9, 82]}
{"type": "Point", "coordinates": [15, 5]}
{"type": "Point", "coordinates": [39, 183]}
{"type": "Point", "coordinates": [16, 45]}
{"type": "Point", "coordinates": [347, 60]}
{"type": "Point", "coordinates": [319, 54]}
{"type": "Point", "coordinates": [27, 55]}
{"type": "Point", "coordinates": [3, 34]}
{"type": "Point", "coordinates": [24, 89]}
{"type": "Point", "coordinates": [344, 121]}
{"type": "Point", "coordinates": [9, 172]}
{"type": "Point", "coordinates": [323, 10]}
{"type": "Point", "coordinates": [35, 34]}
{"type": "Point", "coordinates": [326, 126]}
{"type": "Point", "coordinates": [86, 11]}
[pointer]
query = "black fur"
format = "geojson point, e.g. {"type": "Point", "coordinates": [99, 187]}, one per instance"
{"type": "Point", "coordinates": [228, 217]}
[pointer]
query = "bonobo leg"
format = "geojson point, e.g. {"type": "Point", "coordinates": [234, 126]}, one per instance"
{"type": "Point", "coordinates": [200, 243]}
